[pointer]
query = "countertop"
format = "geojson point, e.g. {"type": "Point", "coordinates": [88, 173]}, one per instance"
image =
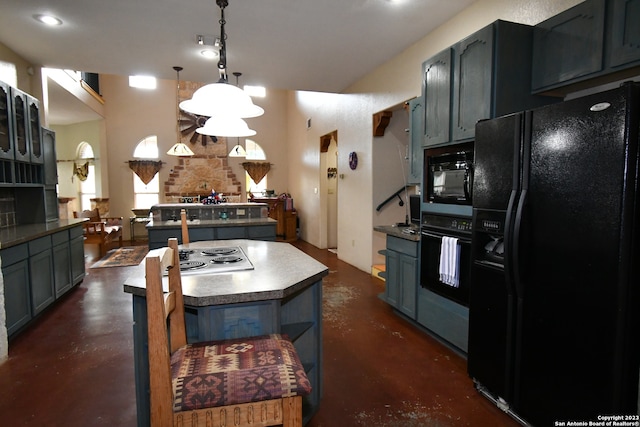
{"type": "Point", "coordinates": [400, 231]}
{"type": "Point", "coordinates": [206, 223]}
{"type": "Point", "coordinates": [280, 270]}
{"type": "Point", "coordinates": [12, 236]}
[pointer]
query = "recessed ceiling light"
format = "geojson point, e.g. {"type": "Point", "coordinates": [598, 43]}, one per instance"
{"type": "Point", "coordinates": [47, 19]}
{"type": "Point", "coordinates": [209, 53]}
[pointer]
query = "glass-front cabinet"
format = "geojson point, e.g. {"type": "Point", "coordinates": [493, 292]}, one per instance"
{"type": "Point", "coordinates": [21, 125]}
{"type": "Point", "coordinates": [6, 125]}
{"type": "Point", "coordinates": [35, 139]}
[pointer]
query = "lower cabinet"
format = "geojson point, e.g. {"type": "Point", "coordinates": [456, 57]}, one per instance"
{"type": "Point", "coordinates": [76, 247]}
{"type": "Point", "coordinates": [402, 275]}
{"type": "Point", "coordinates": [41, 273]}
{"type": "Point", "coordinates": [17, 293]}
{"type": "Point", "coordinates": [38, 272]}
{"type": "Point", "coordinates": [62, 262]}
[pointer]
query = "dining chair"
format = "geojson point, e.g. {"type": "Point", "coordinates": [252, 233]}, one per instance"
{"type": "Point", "coordinates": [244, 382]}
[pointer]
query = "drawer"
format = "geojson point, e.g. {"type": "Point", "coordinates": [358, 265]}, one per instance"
{"type": "Point", "coordinates": [60, 237]}
{"type": "Point", "coordinates": [75, 232]}
{"type": "Point", "coordinates": [39, 245]}
{"type": "Point", "coordinates": [404, 246]}
{"type": "Point", "coordinates": [14, 254]}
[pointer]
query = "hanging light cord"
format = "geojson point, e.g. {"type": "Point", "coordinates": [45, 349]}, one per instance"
{"type": "Point", "coordinates": [222, 62]}
{"type": "Point", "coordinates": [178, 69]}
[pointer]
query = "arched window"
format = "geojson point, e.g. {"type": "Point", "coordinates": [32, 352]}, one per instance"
{"type": "Point", "coordinates": [87, 190]}
{"type": "Point", "coordinates": [254, 152]}
{"type": "Point", "coordinates": [146, 195]}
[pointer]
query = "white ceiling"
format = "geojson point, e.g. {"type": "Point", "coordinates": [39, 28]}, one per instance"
{"type": "Point", "coordinates": [318, 45]}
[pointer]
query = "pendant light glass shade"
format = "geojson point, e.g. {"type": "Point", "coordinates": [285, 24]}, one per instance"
{"type": "Point", "coordinates": [237, 151]}
{"type": "Point", "coordinates": [226, 126]}
{"type": "Point", "coordinates": [180, 149]}
{"type": "Point", "coordinates": [217, 99]}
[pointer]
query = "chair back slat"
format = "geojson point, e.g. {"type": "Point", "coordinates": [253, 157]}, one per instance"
{"type": "Point", "coordinates": [177, 326]}
{"type": "Point", "coordinates": [185, 230]}
{"type": "Point", "coordinates": [159, 356]}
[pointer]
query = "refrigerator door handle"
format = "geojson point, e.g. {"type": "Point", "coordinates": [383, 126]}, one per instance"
{"type": "Point", "coordinates": [508, 263]}
{"type": "Point", "coordinates": [516, 241]}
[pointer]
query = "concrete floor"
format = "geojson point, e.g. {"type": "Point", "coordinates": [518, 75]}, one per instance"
{"type": "Point", "coordinates": [74, 365]}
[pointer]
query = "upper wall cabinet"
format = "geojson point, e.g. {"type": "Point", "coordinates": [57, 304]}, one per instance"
{"type": "Point", "coordinates": [569, 45]}
{"type": "Point", "coordinates": [416, 126]}
{"type": "Point", "coordinates": [594, 42]}
{"type": "Point", "coordinates": [20, 125]}
{"type": "Point", "coordinates": [485, 75]}
{"type": "Point", "coordinates": [624, 33]}
{"type": "Point", "coordinates": [436, 93]}
{"type": "Point", "coordinates": [35, 138]}
{"type": "Point", "coordinates": [6, 123]}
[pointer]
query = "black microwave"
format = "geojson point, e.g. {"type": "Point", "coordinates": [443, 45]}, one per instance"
{"type": "Point", "coordinates": [449, 177]}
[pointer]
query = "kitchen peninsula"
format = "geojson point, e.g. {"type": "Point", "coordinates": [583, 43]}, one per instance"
{"type": "Point", "coordinates": [281, 294]}
{"type": "Point", "coordinates": [210, 222]}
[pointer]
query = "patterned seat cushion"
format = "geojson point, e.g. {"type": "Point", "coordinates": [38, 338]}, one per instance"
{"type": "Point", "coordinates": [229, 372]}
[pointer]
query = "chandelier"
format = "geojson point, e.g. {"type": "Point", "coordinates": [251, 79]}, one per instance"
{"type": "Point", "coordinates": [221, 98]}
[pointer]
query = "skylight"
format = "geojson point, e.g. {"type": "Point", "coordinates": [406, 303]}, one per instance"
{"type": "Point", "coordinates": [142, 82]}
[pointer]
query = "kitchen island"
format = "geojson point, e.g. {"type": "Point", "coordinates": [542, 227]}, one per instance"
{"type": "Point", "coordinates": [281, 294]}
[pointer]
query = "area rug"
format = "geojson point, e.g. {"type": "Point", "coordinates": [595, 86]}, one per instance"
{"type": "Point", "coordinates": [122, 257]}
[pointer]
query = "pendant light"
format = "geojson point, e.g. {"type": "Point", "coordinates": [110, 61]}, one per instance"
{"type": "Point", "coordinates": [226, 125]}
{"type": "Point", "coordinates": [221, 98]}
{"type": "Point", "coordinates": [238, 150]}
{"type": "Point", "coordinates": [179, 148]}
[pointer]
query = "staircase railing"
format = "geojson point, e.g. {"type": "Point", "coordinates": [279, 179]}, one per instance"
{"type": "Point", "coordinates": [393, 196]}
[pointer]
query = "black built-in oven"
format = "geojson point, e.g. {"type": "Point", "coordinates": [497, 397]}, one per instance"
{"type": "Point", "coordinates": [434, 227]}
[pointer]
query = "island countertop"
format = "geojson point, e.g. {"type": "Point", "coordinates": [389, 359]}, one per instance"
{"type": "Point", "coordinates": [280, 270]}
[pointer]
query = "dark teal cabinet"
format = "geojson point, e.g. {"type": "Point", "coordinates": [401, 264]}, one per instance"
{"type": "Point", "coordinates": [6, 123]}
{"type": "Point", "coordinates": [38, 272]}
{"type": "Point", "coordinates": [416, 126]}
{"type": "Point", "coordinates": [402, 275]}
{"type": "Point", "coordinates": [569, 45]}
{"type": "Point", "coordinates": [76, 247]}
{"type": "Point", "coordinates": [472, 83]}
{"type": "Point", "coordinates": [34, 131]}
{"type": "Point", "coordinates": [41, 273]}
{"type": "Point", "coordinates": [62, 262]}
{"type": "Point", "coordinates": [17, 293]}
{"type": "Point", "coordinates": [489, 75]}
{"type": "Point", "coordinates": [624, 33]}
{"type": "Point", "coordinates": [436, 97]}
{"type": "Point", "coordinates": [20, 109]}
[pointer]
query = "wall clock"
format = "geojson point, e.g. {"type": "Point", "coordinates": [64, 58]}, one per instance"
{"type": "Point", "coordinates": [353, 160]}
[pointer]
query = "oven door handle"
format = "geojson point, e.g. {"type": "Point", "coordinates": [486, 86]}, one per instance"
{"type": "Point", "coordinates": [440, 236]}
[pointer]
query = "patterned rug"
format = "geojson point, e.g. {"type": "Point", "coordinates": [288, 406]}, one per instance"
{"type": "Point", "coordinates": [122, 257]}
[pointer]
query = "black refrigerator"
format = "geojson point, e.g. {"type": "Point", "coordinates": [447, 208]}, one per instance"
{"type": "Point", "coordinates": [554, 302]}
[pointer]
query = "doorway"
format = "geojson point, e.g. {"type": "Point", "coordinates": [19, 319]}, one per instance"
{"type": "Point", "coordinates": [329, 169]}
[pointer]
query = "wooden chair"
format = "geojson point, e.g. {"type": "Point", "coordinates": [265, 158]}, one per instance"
{"type": "Point", "coordinates": [246, 382]}
{"type": "Point", "coordinates": [100, 231]}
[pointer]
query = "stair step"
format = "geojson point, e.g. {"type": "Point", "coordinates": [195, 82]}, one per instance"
{"type": "Point", "coordinates": [378, 271]}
